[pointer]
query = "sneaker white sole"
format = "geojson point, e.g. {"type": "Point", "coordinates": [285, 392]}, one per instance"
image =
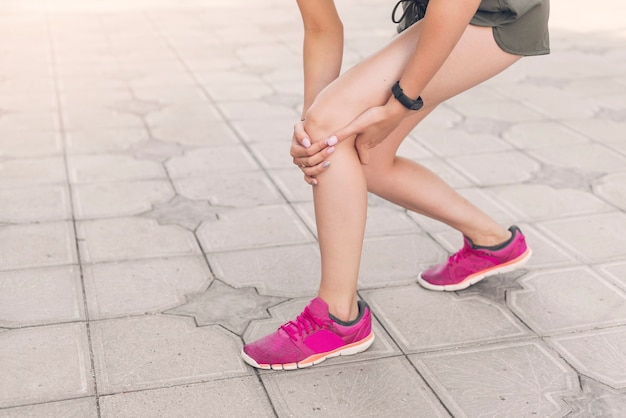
{"type": "Point", "coordinates": [346, 350]}
{"type": "Point", "coordinates": [476, 277]}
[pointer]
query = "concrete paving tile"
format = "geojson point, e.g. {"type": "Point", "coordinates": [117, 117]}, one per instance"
{"type": "Point", "coordinates": [568, 300]}
{"type": "Point", "coordinates": [94, 98]}
{"type": "Point", "coordinates": [170, 94]}
{"type": "Point", "coordinates": [35, 204]}
{"type": "Point", "coordinates": [596, 399]}
{"type": "Point", "coordinates": [132, 238]}
{"type": "Point", "coordinates": [598, 354]}
{"type": "Point", "coordinates": [238, 110]}
{"type": "Point", "coordinates": [246, 228]}
{"type": "Point", "coordinates": [223, 92]}
{"type": "Point", "coordinates": [158, 351]}
{"type": "Point", "coordinates": [496, 168]}
{"type": "Point", "coordinates": [84, 81]}
{"type": "Point", "coordinates": [205, 161]}
{"type": "Point", "coordinates": [516, 379]}
{"type": "Point", "coordinates": [536, 202]}
{"type": "Point", "coordinates": [76, 408]}
{"type": "Point", "coordinates": [612, 188]}
{"type": "Point", "coordinates": [37, 245]}
{"type": "Point", "coordinates": [268, 130]}
{"type": "Point", "coordinates": [501, 110]}
{"type": "Point", "coordinates": [42, 296]}
{"type": "Point", "coordinates": [223, 305]}
{"type": "Point", "coordinates": [29, 144]}
{"type": "Point", "coordinates": [273, 154]}
{"type": "Point", "coordinates": [560, 106]}
{"type": "Point", "coordinates": [565, 177]}
{"type": "Point", "coordinates": [144, 286]}
{"type": "Point", "coordinates": [290, 271]}
{"type": "Point", "coordinates": [421, 320]}
{"type": "Point", "coordinates": [101, 200]}
{"type": "Point", "coordinates": [587, 157]}
{"type": "Point", "coordinates": [36, 171]}
{"type": "Point", "coordinates": [244, 189]}
{"type": "Point", "coordinates": [237, 398]}
{"type": "Point", "coordinates": [455, 142]}
{"type": "Point", "coordinates": [604, 131]}
{"type": "Point", "coordinates": [15, 84]}
{"type": "Point", "coordinates": [185, 114]}
{"type": "Point", "coordinates": [207, 134]}
{"type": "Point", "coordinates": [186, 213]}
{"type": "Point", "coordinates": [290, 182]}
{"type": "Point", "coordinates": [619, 147]}
{"type": "Point", "coordinates": [111, 167]}
{"type": "Point", "coordinates": [100, 117]}
{"type": "Point", "coordinates": [137, 107]}
{"type": "Point", "coordinates": [615, 272]}
{"type": "Point", "coordinates": [396, 260]}
{"type": "Point", "coordinates": [21, 101]}
{"type": "Point", "coordinates": [44, 364]}
{"type": "Point", "coordinates": [385, 387]}
{"type": "Point", "coordinates": [541, 134]}
{"type": "Point", "coordinates": [596, 239]}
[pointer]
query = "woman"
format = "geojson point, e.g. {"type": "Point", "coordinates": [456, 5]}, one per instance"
{"type": "Point", "coordinates": [352, 126]}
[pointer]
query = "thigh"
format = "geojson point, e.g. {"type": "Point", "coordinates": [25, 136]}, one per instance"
{"type": "Point", "coordinates": [475, 58]}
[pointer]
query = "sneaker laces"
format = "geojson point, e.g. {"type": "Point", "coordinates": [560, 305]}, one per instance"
{"type": "Point", "coordinates": [304, 323]}
{"type": "Point", "coordinates": [463, 253]}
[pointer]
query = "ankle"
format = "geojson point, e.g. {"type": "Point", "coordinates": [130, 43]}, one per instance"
{"type": "Point", "coordinates": [344, 312]}
{"type": "Point", "coordinates": [490, 239]}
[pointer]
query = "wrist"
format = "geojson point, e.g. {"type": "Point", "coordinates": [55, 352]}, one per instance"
{"type": "Point", "coordinates": [406, 101]}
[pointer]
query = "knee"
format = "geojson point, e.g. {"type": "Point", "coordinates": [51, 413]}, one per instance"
{"type": "Point", "coordinates": [319, 123]}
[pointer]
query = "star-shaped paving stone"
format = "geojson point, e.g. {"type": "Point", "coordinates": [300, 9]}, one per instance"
{"type": "Point", "coordinates": [494, 288]}
{"type": "Point", "coordinates": [564, 177]}
{"type": "Point", "coordinates": [226, 306]}
{"type": "Point", "coordinates": [597, 400]}
{"type": "Point", "coordinates": [184, 212]}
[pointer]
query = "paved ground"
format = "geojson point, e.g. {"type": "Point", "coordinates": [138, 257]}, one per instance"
{"type": "Point", "coordinates": [151, 221]}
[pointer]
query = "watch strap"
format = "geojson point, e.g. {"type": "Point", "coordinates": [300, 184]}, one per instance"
{"type": "Point", "coordinates": [406, 101]}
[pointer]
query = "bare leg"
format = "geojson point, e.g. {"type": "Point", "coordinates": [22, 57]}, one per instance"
{"type": "Point", "coordinates": [341, 197]}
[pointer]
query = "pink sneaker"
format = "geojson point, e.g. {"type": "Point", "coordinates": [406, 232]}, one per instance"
{"type": "Point", "coordinates": [310, 339]}
{"type": "Point", "coordinates": [472, 263]}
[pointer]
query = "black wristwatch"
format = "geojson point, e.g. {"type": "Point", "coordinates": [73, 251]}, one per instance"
{"type": "Point", "coordinates": [406, 100]}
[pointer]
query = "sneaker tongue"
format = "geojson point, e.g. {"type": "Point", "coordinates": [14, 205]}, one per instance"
{"type": "Point", "coordinates": [318, 308]}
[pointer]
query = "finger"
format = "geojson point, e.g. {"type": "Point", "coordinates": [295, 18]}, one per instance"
{"type": "Point", "coordinates": [299, 151]}
{"type": "Point", "coordinates": [311, 173]}
{"type": "Point", "coordinates": [310, 180]}
{"type": "Point", "coordinates": [301, 135]}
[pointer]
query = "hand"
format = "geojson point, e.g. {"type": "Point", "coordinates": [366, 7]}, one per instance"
{"type": "Point", "coordinates": [311, 158]}
{"type": "Point", "coordinates": [373, 126]}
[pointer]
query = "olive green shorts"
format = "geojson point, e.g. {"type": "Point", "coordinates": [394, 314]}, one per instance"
{"type": "Point", "coordinates": [520, 27]}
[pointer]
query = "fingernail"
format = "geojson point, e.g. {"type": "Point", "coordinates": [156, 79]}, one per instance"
{"type": "Point", "coordinates": [306, 143]}
{"type": "Point", "coordinates": [332, 141]}
{"type": "Point", "coordinates": [313, 182]}
{"type": "Point", "coordinates": [330, 150]}
{"type": "Point", "coordinates": [325, 164]}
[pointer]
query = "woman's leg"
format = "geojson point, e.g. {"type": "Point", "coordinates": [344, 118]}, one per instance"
{"type": "Point", "coordinates": [341, 196]}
